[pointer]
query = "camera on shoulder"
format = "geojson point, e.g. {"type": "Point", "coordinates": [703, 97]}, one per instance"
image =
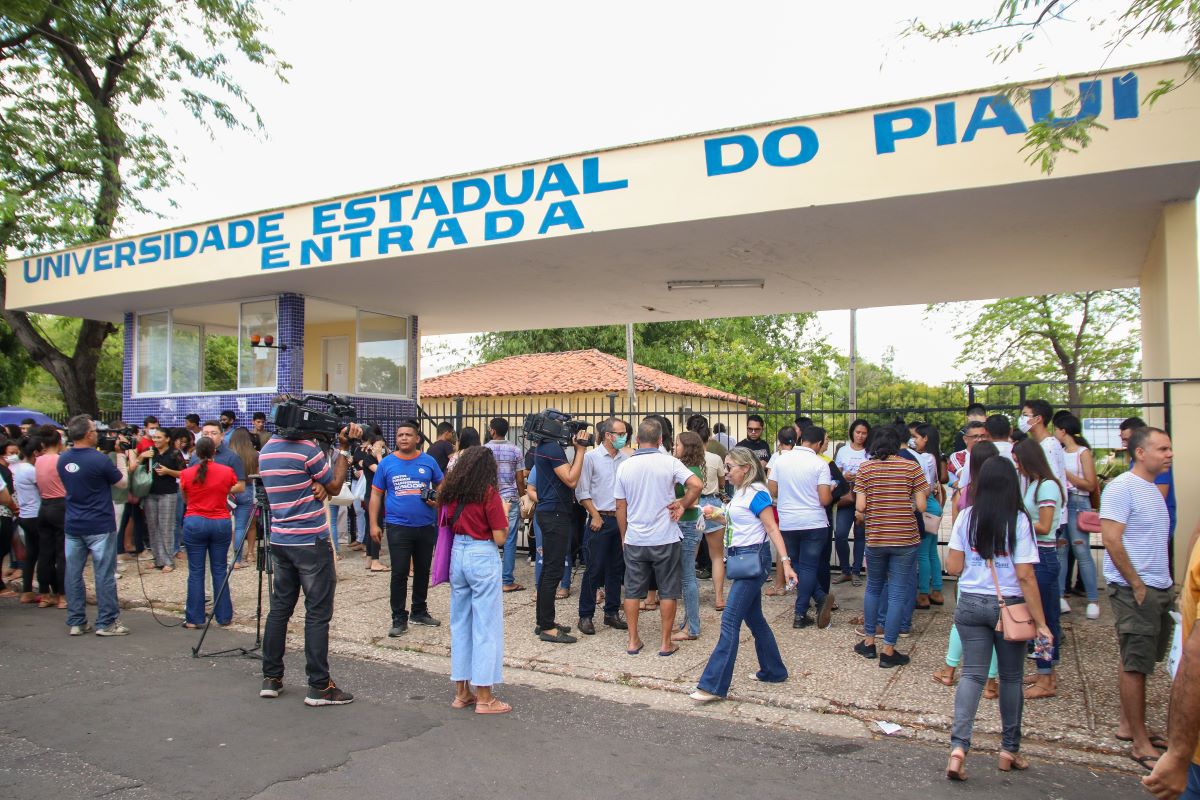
{"type": "Point", "coordinates": [109, 438]}
{"type": "Point", "coordinates": [552, 425]}
{"type": "Point", "coordinates": [296, 418]}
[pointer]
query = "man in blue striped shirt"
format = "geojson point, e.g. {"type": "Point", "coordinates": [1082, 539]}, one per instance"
{"type": "Point", "coordinates": [297, 477]}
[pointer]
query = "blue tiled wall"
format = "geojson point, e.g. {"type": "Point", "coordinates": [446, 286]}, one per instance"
{"type": "Point", "coordinates": [172, 409]}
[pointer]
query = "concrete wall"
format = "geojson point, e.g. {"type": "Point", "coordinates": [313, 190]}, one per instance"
{"type": "Point", "coordinates": [1170, 287]}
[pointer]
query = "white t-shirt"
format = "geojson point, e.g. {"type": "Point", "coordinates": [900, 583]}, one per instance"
{"type": "Point", "coordinates": [1140, 506]}
{"type": "Point", "coordinates": [976, 577]}
{"type": "Point", "coordinates": [744, 526]}
{"type": "Point", "coordinates": [646, 482]}
{"type": "Point", "coordinates": [25, 486]}
{"type": "Point", "coordinates": [929, 464]}
{"type": "Point", "coordinates": [1005, 449]}
{"type": "Point", "coordinates": [849, 460]}
{"type": "Point", "coordinates": [799, 472]}
{"type": "Point", "coordinates": [1074, 465]}
{"type": "Point", "coordinates": [1058, 465]}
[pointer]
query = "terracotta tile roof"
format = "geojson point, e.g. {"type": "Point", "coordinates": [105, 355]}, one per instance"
{"type": "Point", "coordinates": [564, 373]}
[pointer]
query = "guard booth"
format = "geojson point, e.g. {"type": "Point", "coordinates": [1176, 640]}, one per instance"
{"type": "Point", "coordinates": [916, 202]}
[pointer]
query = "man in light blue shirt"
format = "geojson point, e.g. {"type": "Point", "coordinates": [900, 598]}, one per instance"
{"type": "Point", "coordinates": [601, 537]}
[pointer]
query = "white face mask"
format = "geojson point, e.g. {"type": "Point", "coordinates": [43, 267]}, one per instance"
{"type": "Point", "coordinates": [912, 444]}
{"type": "Point", "coordinates": [1024, 424]}
{"type": "Point", "coordinates": [12, 459]}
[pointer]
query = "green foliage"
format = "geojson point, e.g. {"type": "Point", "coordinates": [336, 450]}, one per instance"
{"type": "Point", "coordinates": [40, 391]}
{"type": "Point", "coordinates": [15, 366]}
{"type": "Point", "coordinates": [379, 375]}
{"type": "Point", "coordinates": [1026, 19]}
{"type": "Point", "coordinates": [82, 86]}
{"type": "Point", "coordinates": [1082, 336]}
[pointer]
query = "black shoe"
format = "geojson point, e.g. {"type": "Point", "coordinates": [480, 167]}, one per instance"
{"type": "Point", "coordinates": [399, 628]}
{"type": "Point", "coordinates": [329, 696]}
{"type": "Point", "coordinates": [896, 659]}
{"type": "Point", "coordinates": [586, 626]}
{"type": "Point", "coordinates": [615, 621]}
{"type": "Point", "coordinates": [271, 687]}
{"type": "Point", "coordinates": [564, 628]}
{"type": "Point", "coordinates": [557, 635]}
{"type": "Point", "coordinates": [866, 650]}
{"type": "Point", "coordinates": [703, 574]}
{"type": "Point", "coordinates": [423, 618]}
{"type": "Point", "coordinates": [802, 622]}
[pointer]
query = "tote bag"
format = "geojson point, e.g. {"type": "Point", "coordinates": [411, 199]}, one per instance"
{"type": "Point", "coordinates": [440, 569]}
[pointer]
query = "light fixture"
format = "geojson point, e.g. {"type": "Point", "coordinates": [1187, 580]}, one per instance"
{"type": "Point", "coordinates": [718, 283]}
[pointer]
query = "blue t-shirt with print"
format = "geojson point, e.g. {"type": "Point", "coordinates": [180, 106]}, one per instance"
{"type": "Point", "coordinates": [87, 475]}
{"type": "Point", "coordinates": [552, 493]}
{"type": "Point", "coordinates": [400, 481]}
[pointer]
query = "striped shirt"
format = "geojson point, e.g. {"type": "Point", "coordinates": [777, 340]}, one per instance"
{"type": "Point", "coordinates": [1140, 507]}
{"type": "Point", "coordinates": [890, 487]}
{"type": "Point", "coordinates": [508, 461]}
{"type": "Point", "coordinates": [288, 469]}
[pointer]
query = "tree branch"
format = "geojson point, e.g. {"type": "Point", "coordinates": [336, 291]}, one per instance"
{"type": "Point", "coordinates": [116, 64]}
{"type": "Point", "coordinates": [20, 39]}
{"type": "Point", "coordinates": [73, 58]}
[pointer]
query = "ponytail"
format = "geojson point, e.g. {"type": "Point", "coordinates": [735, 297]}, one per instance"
{"type": "Point", "coordinates": [205, 450]}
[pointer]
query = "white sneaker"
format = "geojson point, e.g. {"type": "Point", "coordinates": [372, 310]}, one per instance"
{"type": "Point", "coordinates": [80, 630]}
{"type": "Point", "coordinates": [1063, 606]}
{"type": "Point", "coordinates": [116, 629]}
{"type": "Point", "coordinates": [1093, 611]}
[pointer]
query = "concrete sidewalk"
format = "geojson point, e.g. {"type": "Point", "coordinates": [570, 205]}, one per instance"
{"type": "Point", "coordinates": [827, 677]}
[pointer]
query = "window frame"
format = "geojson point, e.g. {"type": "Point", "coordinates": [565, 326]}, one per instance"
{"type": "Point", "coordinates": [170, 312]}
{"type": "Point", "coordinates": [407, 394]}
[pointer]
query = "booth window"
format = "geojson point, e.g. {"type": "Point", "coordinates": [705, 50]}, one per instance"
{"type": "Point", "coordinates": [382, 354]}
{"type": "Point", "coordinates": [153, 352]}
{"type": "Point", "coordinates": [196, 349]}
{"type": "Point", "coordinates": [260, 323]}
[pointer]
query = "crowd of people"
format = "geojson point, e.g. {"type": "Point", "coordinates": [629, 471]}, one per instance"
{"type": "Point", "coordinates": [636, 508]}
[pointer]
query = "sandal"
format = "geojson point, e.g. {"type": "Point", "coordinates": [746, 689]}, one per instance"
{"type": "Point", "coordinates": [513, 587]}
{"type": "Point", "coordinates": [458, 703]}
{"type": "Point", "coordinates": [648, 607]}
{"type": "Point", "coordinates": [1036, 692]}
{"type": "Point", "coordinates": [944, 676]}
{"type": "Point", "coordinates": [493, 706]}
{"type": "Point", "coordinates": [1143, 759]}
{"type": "Point", "coordinates": [683, 636]}
{"type": "Point", "coordinates": [991, 689]}
{"type": "Point", "coordinates": [1155, 741]}
{"type": "Point", "coordinates": [167, 568]}
{"type": "Point", "coordinates": [380, 569]}
{"type": "Point", "coordinates": [955, 769]}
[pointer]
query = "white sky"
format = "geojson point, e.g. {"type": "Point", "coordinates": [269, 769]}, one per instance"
{"type": "Point", "coordinates": [384, 92]}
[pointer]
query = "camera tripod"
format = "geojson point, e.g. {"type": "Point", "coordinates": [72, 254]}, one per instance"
{"type": "Point", "coordinates": [263, 564]}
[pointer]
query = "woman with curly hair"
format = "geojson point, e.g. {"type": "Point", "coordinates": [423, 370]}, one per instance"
{"type": "Point", "coordinates": [471, 507]}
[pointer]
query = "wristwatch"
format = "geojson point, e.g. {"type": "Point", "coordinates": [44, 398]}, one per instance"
{"type": "Point", "coordinates": [344, 454]}
{"type": "Point", "coordinates": [786, 558]}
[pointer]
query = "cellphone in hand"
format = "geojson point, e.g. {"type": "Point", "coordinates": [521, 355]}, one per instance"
{"type": "Point", "coordinates": [1042, 648]}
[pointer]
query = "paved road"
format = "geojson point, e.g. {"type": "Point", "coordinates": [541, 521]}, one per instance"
{"type": "Point", "coordinates": [137, 718]}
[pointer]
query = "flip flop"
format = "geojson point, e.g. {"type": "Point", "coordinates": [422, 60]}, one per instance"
{"type": "Point", "coordinates": [381, 569]}
{"type": "Point", "coordinates": [1142, 761]}
{"type": "Point", "coordinates": [665, 653]}
{"type": "Point", "coordinates": [1156, 741]}
{"type": "Point", "coordinates": [513, 587]}
{"type": "Point", "coordinates": [638, 650]}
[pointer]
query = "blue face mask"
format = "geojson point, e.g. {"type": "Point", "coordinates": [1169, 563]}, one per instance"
{"type": "Point", "coordinates": [619, 441]}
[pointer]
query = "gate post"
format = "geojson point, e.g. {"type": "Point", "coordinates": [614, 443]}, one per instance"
{"type": "Point", "coordinates": [458, 414]}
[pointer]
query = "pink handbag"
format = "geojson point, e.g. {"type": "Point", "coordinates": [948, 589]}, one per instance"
{"type": "Point", "coordinates": [439, 571]}
{"type": "Point", "coordinates": [1088, 521]}
{"type": "Point", "coordinates": [1015, 622]}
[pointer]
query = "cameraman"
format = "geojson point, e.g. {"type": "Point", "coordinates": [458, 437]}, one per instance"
{"type": "Point", "coordinates": [401, 492]}
{"type": "Point", "coordinates": [290, 467]}
{"type": "Point", "coordinates": [556, 482]}
{"type": "Point", "coordinates": [91, 526]}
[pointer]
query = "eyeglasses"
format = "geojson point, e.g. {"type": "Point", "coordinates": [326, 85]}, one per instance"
{"type": "Point", "coordinates": [975, 437]}
{"type": "Point", "coordinates": [753, 430]}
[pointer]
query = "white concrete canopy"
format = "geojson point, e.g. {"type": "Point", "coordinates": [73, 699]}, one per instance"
{"type": "Point", "coordinates": [857, 211]}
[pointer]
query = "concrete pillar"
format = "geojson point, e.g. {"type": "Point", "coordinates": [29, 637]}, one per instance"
{"type": "Point", "coordinates": [1170, 294]}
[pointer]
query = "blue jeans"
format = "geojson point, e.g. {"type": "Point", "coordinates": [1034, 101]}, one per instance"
{"type": "Point", "coordinates": [1192, 792]}
{"type": "Point", "coordinates": [476, 613]}
{"type": "Point", "coordinates": [605, 567]}
{"type": "Point", "coordinates": [805, 548]}
{"type": "Point", "coordinates": [975, 619]}
{"type": "Point", "coordinates": [103, 547]}
{"type": "Point", "coordinates": [895, 567]}
{"type": "Point", "coordinates": [204, 537]}
{"type": "Point", "coordinates": [845, 524]}
{"type": "Point", "coordinates": [910, 603]}
{"type": "Point", "coordinates": [1046, 572]}
{"type": "Point", "coordinates": [180, 510]}
{"type": "Point", "coordinates": [691, 587]}
{"type": "Point", "coordinates": [565, 583]}
{"type": "Point", "coordinates": [744, 604]}
{"type": "Point", "coordinates": [1080, 544]}
{"type": "Point", "coordinates": [510, 544]}
{"type": "Point", "coordinates": [929, 566]}
{"type": "Point", "coordinates": [241, 519]}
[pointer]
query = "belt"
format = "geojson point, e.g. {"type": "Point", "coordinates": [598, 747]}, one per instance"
{"type": "Point", "coordinates": [607, 513]}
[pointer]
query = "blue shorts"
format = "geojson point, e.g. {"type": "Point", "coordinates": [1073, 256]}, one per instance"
{"type": "Point", "coordinates": [713, 500]}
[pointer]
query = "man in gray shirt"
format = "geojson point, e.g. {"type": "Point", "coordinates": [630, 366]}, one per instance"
{"type": "Point", "coordinates": [601, 537]}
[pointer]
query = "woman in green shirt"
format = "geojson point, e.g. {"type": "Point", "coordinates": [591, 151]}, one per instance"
{"type": "Point", "coordinates": [689, 448]}
{"type": "Point", "coordinates": [1043, 498]}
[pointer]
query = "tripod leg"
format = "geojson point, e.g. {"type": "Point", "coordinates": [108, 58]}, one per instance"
{"type": "Point", "coordinates": [212, 614]}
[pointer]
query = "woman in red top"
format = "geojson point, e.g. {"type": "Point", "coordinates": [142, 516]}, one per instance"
{"type": "Point", "coordinates": [207, 530]}
{"type": "Point", "coordinates": [471, 505]}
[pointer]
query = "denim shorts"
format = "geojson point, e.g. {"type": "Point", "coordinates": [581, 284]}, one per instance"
{"type": "Point", "coordinates": [710, 526]}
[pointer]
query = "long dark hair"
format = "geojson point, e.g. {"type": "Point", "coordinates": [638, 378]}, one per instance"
{"type": "Point", "coordinates": [693, 449]}
{"type": "Point", "coordinates": [1032, 459]}
{"type": "Point", "coordinates": [933, 443]}
{"type": "Point", "coordinates": [884, 443]}
{"type": "Point", "coordinates": [993, 526]}
{"type": "Point", "coordinates": [468, 437]}
{"type": "Point", "coordinates": [205, 450]}
{"type": "Point", "coordinates": [1070, 425]}
{"type": "Point", "coordinates": [473, 474]}
{"type": "Point", "coordinates": [980, 454]}
{"type": "Point", "coordinates": [668, 430]}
